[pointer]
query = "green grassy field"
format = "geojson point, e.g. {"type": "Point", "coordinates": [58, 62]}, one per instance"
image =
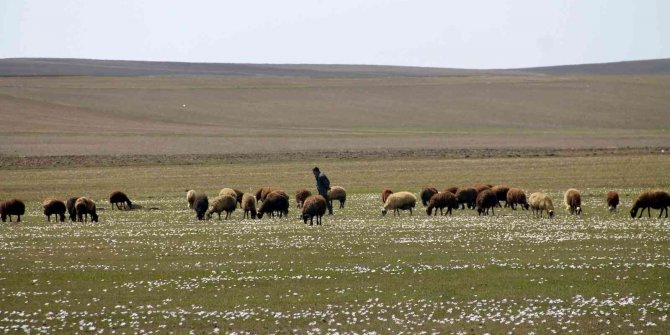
{"type": "Point", "coordinates": [164, 272]}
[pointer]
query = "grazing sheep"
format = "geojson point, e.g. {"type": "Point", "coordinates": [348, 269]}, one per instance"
{"type": "Point", "coordinates": [249, 206]}
{"type": "Point", "coordinates": [85, 207]}
{"type": "Point", "coordinates": [190, 198]}
{"type": "Point", "coordinates": [612, 199]}
{"type": "Point", "coordinates": [572, 200]}
{"type": "Point", "coordinates": [276, 201]}
{"type": "Point", "coordinates": [399, 201]}
{"type": "Point", "coordinates": [71, 211]}
{"type": "Point", "coordinates": [486, 200]}
{"type": "Point", "coordinates": [119, 199]}
{"type": "Point", "coordinates": [501, 193]}
{"type": "Point", "coordinates": [301, 195]}
{"type": "Point", "coordinates": [440, 201]}
{"type": "Point", "coordinates": [222, 203]}
{"type": "Point", "coordinates": [481, 187]}
{"type": "Point", "coordinates": [337, 193]}
{"type": "Point", "coordinates": [516, 196]}
{"type": "Point", "coordinates": [12, 207]}
{"type": "Point", "coordinates": [540, 202]}
{"type": "Point", "coordinates": [466, 196]}
{"type": "Point", "coordinates": [263, 192]}
{"type": "Point", "coordinates": [314, 206]}
{"type": "Point", "coordinates": [385, 194]}
{"type": "Point", "coordinates": [54, 207]}
{"type": "Point", "coordinates": [651, 199]}
{"type": "Point", "coordinates": [239, 195]}
{"type": "Point", "coordinates": [426, 194]}
{"type": "Point", "coordinates": [452, 189]}
{"type": "Point", "coordinates": [200, 205]}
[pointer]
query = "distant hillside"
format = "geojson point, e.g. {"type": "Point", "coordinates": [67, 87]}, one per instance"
{"type": "Point", "coordinates": [641, 67]}
{"type": "Point", "coordinates": [92, 67]}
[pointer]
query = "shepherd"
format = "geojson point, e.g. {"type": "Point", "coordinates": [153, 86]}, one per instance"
{"type": "Point", "coordinates": [323, 186]}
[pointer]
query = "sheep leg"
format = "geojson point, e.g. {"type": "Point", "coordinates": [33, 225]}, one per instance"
{"type": "Point", "coordinates": [18, 218]}
{"type": "Point", "coordinates": [410, 211]}
{"type": "Point", "coordinates": [649, 212]}
{"type": "Point", "coordinates": [493, 211]}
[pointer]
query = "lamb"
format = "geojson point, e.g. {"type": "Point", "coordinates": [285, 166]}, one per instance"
{"type": "Point", "coordinates": [501, 193]}
{"type": "Point", "coordinates": [274, 202]}
{"type": "Point", "coordinates": [573, 201]}
{"type": "Point", "coordinates": [200, 205]}
{"type": "Point", "coordinates": [612, 199]}
{"type": "Point", "coordinates": [385, 194]}
{"type": "Point", "coordinates": [440, 201]}
{"type": "Point", "coordinates": [337, 193]}
{"type": "Point", "coordinates": [71, 211]}
{"type": "Point", "coordinates": [516, 196]}
{"type": "Point", "coordinates": [10, 208]}
{"type": "Point", "coordinates": [540, 202]}
{"type": "Point", "coordinates": [301, 195]}
{"type": "Point", "coordinates": [85, 207]}
{"type": "Point", "coordinates": [190, 198]}
{"type": "Point", "coordinates": [655, 199]}
{"type": "Point", "coordinates": [452, 189]}
{"type": "Point", "coordinates": [466, 196]}
{"type": "Point", "coordinates": [249, 206]}
{"type": "Point", "coordinates": [399, 201]}
{"type": "Point", "coordinates": [426, 194]}
{"type": "Point", "coordinates": [54, 207]}
{"type": "Point", "coordinates": [263, 192]}
{"type": "Point", "coordinates": [314, 206]}
{"type": "Point", "coordinates": [486, 199]}
{"type": "Point", "coordinates": [225, 202]}
{"type": "Point", "coordinates": [119, 199]}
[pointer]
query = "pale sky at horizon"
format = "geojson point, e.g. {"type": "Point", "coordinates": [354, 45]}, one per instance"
{"type": "Point", "coordinates": [460, 34]}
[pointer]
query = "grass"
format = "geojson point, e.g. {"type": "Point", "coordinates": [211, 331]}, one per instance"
{"type": "Point", "coordinates": [164, 272]}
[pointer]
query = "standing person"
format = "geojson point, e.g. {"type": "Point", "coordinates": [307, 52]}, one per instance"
{"type": "Point", "coordinates": [323, 186]}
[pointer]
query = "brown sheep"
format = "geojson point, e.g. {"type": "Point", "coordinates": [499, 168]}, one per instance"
{"type": "Point", "coordinates": [442, 200]}
{"type": "Point", "coordinates": [337, 193]}
{"type": "Point", "coordinates": [452, 189]}
{"type": "Point", "coordinates": [501, 194]}
{"type": "Point", "coordinates": [54, 207]}
{"type": "Point", "coordinates": [651, 199]}
{"type": "Point", "coordinates": [85, 207]}
{"type": "Point", "coordinates": [301, 195]}
{"type": "Point", "coordinates": [222, 203]}
{"type": "Point", "coordinates": [426, 194]}
{"type": "Point", "coordinates": [314, 206]}
{"type": "Point", "coordinates": [238, 196]}
{"type": "Point", "coordinates": [385, 194]}
{"type": "Point", "coordinates": [516, 196]}
{"type": "Point", "coordinates": [486, 199]}
{"type": "Point", "coordinates": [573, 201]}
{"type": "Point", "coordinates": [612, 199]}
{"type": "Point", "coordinates": [249, 206]}
{"type": "Point", "coordinates": [276, 201]}
{"type": "Point", "coordinates": [10, 208]}
{"type": "Point", "coordinates": [466, 196]}
{"type": "Point", "coordinates": [481, 187]}
{"type": "Point", "coordinates": [263, 192]}
{"type": "Point", "coordinates": [71, 211]}
{"type": "Point", "coordinates": [119, 199]}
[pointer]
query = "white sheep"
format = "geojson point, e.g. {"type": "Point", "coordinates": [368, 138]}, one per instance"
{"type": "Point", "coordinates": [539, 202]}
{"type": "Point", "coordinates": [222, 203]}
{"type": "Point", "coordinates": [399, 201]}
{"type": "Point", "coordinates": [190, 198]}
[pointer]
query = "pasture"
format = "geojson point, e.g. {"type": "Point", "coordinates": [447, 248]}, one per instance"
{"type": "Point", "coordinates": [163, 271]}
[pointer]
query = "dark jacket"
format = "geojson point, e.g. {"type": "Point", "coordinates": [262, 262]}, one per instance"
{"type": "Point", "coordinates": [322, 184]}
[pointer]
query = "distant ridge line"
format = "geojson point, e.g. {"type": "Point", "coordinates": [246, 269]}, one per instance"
{"type": "Point", "coordinates": [95, 67]}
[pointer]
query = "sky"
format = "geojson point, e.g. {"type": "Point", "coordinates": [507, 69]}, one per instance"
{"type": "Point", "coordinates": [434, 33]}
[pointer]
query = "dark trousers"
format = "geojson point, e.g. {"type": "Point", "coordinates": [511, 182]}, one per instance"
{"type": "Point", "coordinates": [328, 202]}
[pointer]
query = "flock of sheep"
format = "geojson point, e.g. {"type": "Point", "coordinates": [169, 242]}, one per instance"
{"type": "Point", "coordinates": [275, 202]}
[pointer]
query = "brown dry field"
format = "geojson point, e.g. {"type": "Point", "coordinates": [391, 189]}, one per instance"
{"type": "Point", "coordinates": [165, 115]}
